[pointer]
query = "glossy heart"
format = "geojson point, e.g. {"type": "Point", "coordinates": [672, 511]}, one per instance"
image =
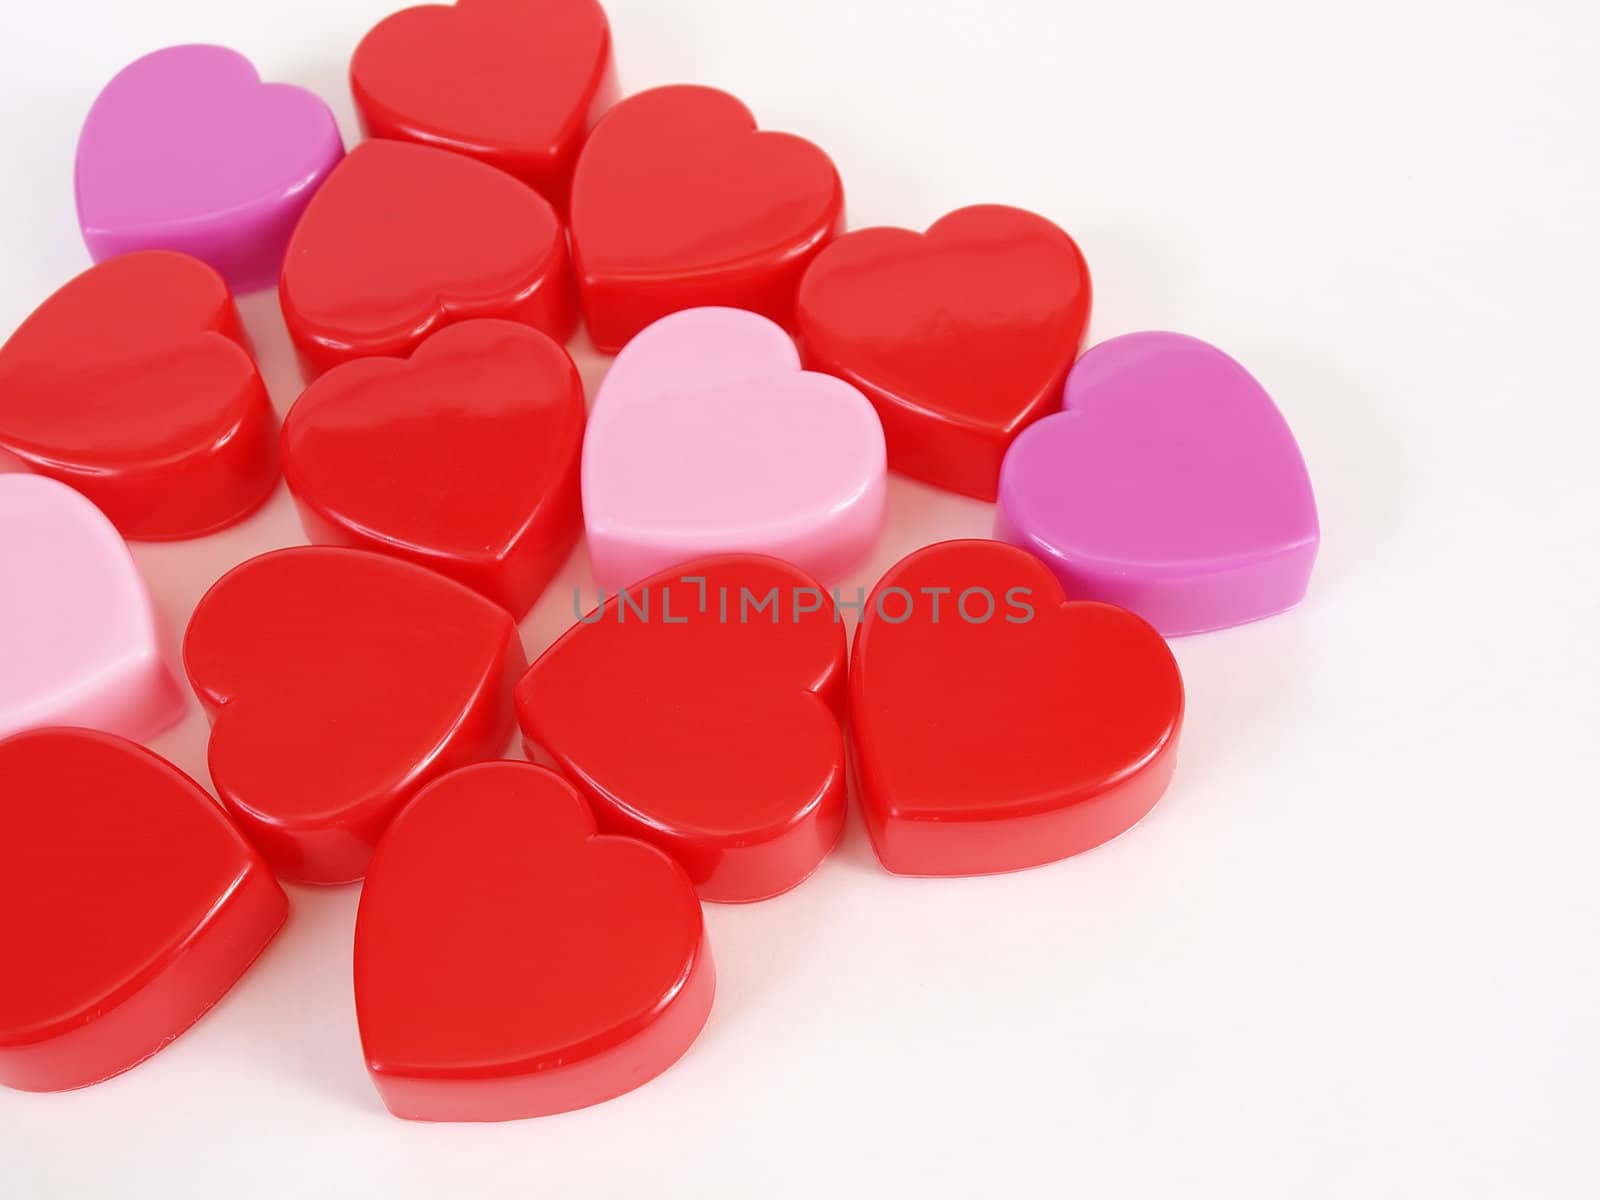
{"type": "Point", "coordinates": [511, 963]}
{"type": "Point", "coordinates": [404, 239]}
{"type": "Point", "coordinates": [78, 639]}
{"type": "Point", "coordinates": [960, 337]}
{"type": "Point", "coordinates": [996, 724]}
{"type": "Point", "coordinates": [186, 149]}
{"type": "Point", "coordinates": [338, 683]}
{"type": "Point", "coordinates": [515, 83]}
{"type": "Point", "coordinates": [702, 715]}
{"type": "Point", "coordinates": [679, 202]}
{"type": "Point", "coordinates": [128, 906]}
{"type": "Point", "coordinates": [463, 458]}
{"type": "Point", "coordinates": [1171, 486]}
{"type": "Point", "coordinates": [707, 437]}
{"type": "Point", "coordinates": [133, 384]}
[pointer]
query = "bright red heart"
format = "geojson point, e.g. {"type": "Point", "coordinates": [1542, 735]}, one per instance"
{"type": "Point", "coordinates": [463, 458]}
{"type": "Point", "coordinates": [997, 725]}
{"type": "Point", "coordinates": [134, 385]}
{"type": "Point", "coordinates": [128, 906]}
{"type": "Point", "coordinates": [679, 202]}
{"type": "Point", "coordinates": [700, 712]}
{"type": "Point", "coordinates": [403, 239]}
{"type": "Point", "coordinates": [511, 963]}
{"type": "Point", "coordinates": [515, 83]}
{"type": "Point", "coordinates": [338, 683]}
{"type": "Point", "coordinates": [960, 337]}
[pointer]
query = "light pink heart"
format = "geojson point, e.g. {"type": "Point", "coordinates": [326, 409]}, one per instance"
{"type": "Point", "coordinates": [708, 437]}
{"type": "Point", "coordinates": [78, 637]}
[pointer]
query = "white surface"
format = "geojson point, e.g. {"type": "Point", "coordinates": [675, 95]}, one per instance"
{"type": "Point", "coordinates": [1353, 952]}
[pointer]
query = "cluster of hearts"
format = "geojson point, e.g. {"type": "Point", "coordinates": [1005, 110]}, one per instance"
{"type": "Point", "coordinates": [530, 937]}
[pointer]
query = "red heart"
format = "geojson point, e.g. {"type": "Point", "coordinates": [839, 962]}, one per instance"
{"type": "Point", "coordinates": [960, 337]}
{"type": "Point", "coordinates": [338, 683]}
{"type": "Point", "coordinates": [464, 458]}
{"type": "Point", "coordinates": [511, 963]}
{"type": "Point", "coordinates": [698, 722]}
{"type": "Point", "coordinates": [679, 202]}
{"type": "Point", "coordinates": [997, 725]}
{"type": "Point", "coordinates": [128, 906]}
{"type": "Point", "coordinates": [402, 239]}
{"type": "Point", "coordinates": [515, 83]}
{"type": "Point", "coordinates": [133, 384]}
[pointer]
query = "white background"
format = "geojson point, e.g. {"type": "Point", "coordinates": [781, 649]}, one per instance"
{"type": "Point", "coordinates": [1353, 951]}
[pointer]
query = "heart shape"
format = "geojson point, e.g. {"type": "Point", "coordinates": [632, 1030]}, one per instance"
{"type": "Point", "coordinates": [403, 239]}
{"type": "Point", "coordinates": [128, 906]}
{"type": "Point", "coordinates": [78, 639]}
{"type": "Point", "coordinates": [997, 725]}
{"type": "Point", "coordinates": [697, 722]}
{"type": "Point", "coordinates": [186, 149]}
{"type": "Point", "coordinates": [133, 384]}
{"type": "Point", "coordinates": [679, 202]}
{"type": "Point", "coordinates": [338, 683]}
{"type": "Point", "coordinates": [960, 337]}
{"type": "Point", "coordinates": [1171, 486]}
{"type": "Point", "coordinates": [515, 83]}
{"type": "Point", "coordinates": [706, 437]}
{"type": "Point", "coordinates": [511, 963]}
{"type": "Point", "coordinates": [463, 458]}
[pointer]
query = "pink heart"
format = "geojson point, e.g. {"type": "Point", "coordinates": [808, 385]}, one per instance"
{"type": "Point", "coordinates": [707, 437]}
{"type": "Point", "coordinates": [78, 641]}
{"type": "Point", "coordinates": [186, 149]}
{"type": "Point", "coordinates": [1169, 485]}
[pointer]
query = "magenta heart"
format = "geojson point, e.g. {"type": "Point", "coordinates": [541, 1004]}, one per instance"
{"type": "Point", "coordinates": [186, 149]}
{"type": "Point", "coordinates": [1169, 485]}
